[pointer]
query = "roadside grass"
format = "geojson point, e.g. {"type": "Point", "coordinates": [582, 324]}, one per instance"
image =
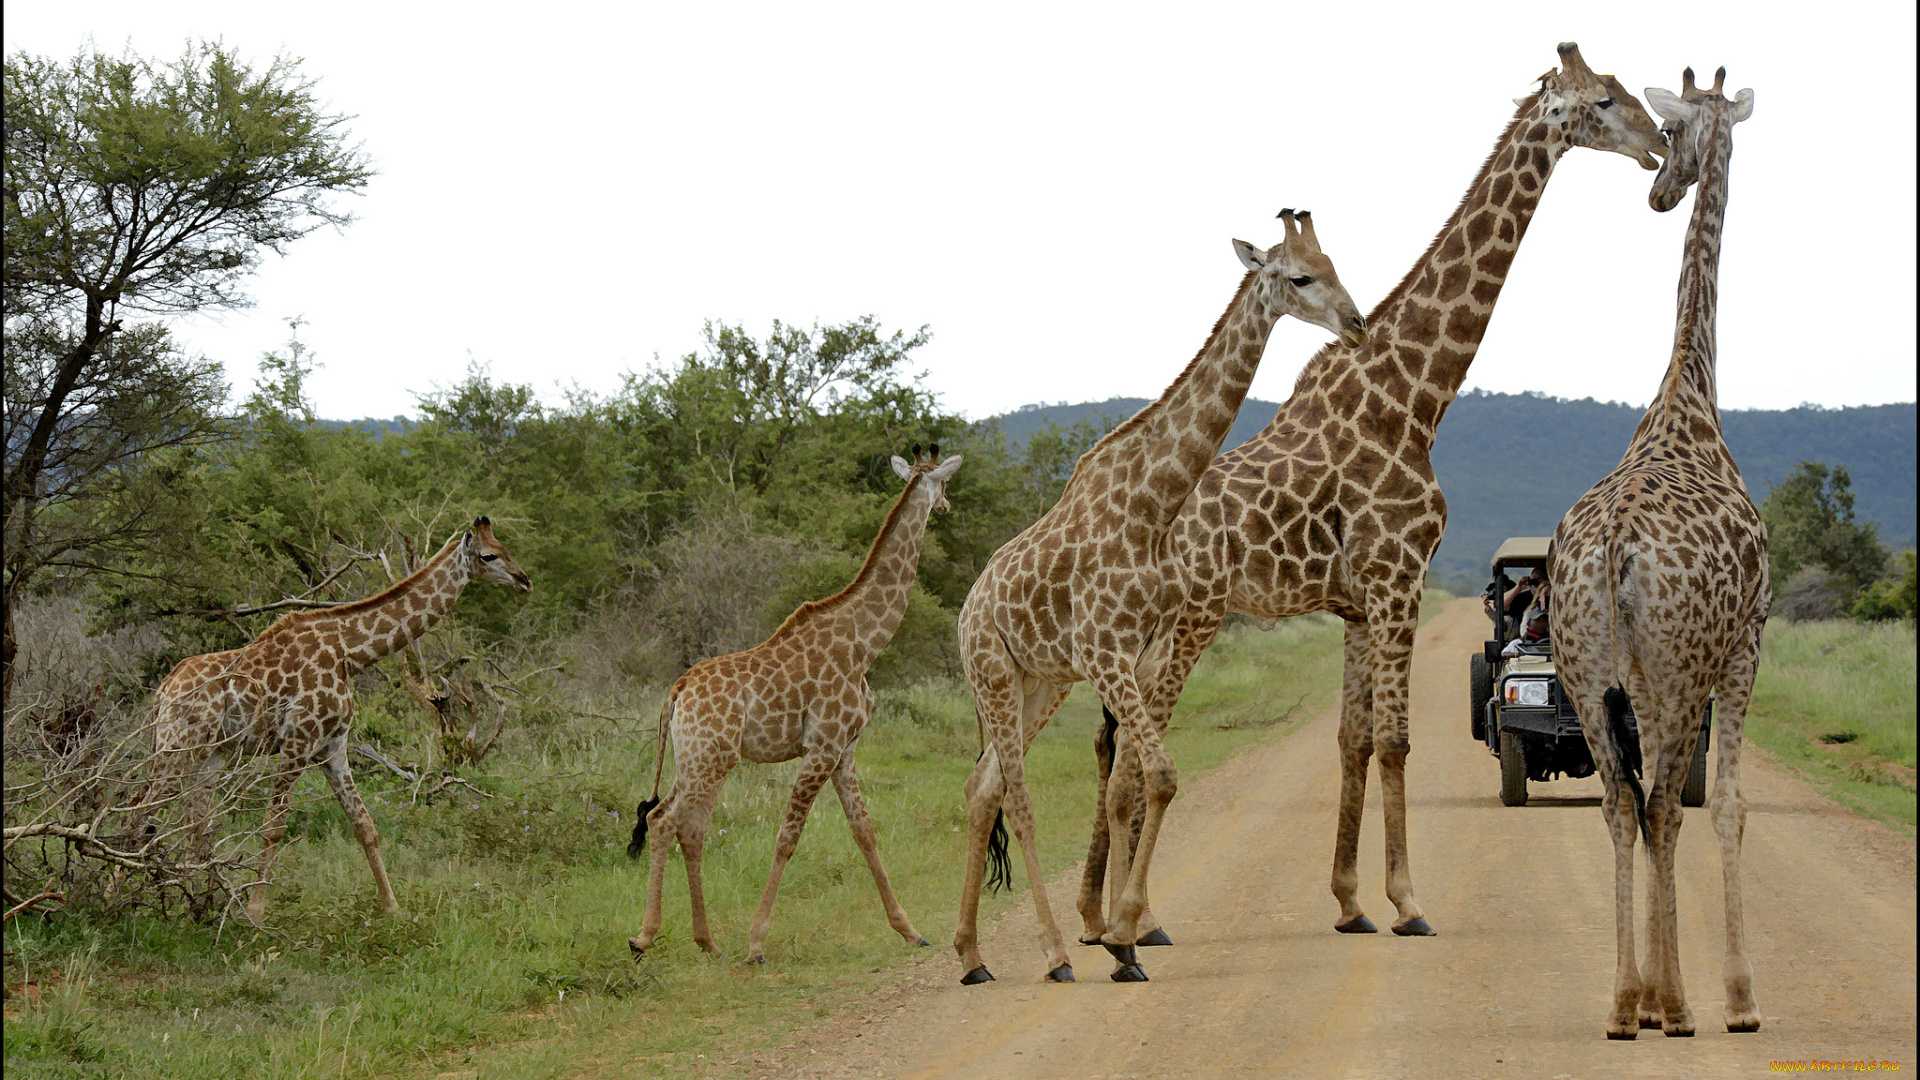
{"type": "Point", "coordinates": [1835, 699]}
{"type": "Point", "coordinates": [509, 958]}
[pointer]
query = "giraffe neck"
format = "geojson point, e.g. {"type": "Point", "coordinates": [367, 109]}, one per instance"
{"type": "Point", "coordinates": [1426, 331]}
{"type": "Point", "coordinates": [869, 610]}
{"type": "Point", "coordinates": [1157, 456]}
{"type": "Point", "coordinates": [368, 630]}
{"type": "Point", "coordinates": [1688, 399]}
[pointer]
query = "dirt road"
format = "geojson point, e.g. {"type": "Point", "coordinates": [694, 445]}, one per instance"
{"type": "Point", "coordinates": [1516, 983]}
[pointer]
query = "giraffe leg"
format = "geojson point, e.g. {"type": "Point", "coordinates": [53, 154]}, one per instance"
{"type": "Point", "coordinates": [1356, 748]}
{"type": "Point", "coordinates": [341, 777]}
{"type": "Point", "coordinates": [846, 782]}
{"type": "Point", "coordinates": [983, 794]}
{"type": "Point", "coordinates": [1392, 642]}
{"type": "Point", "coordinates": [1094, 871]}
{"type": "Point", "coordinates": [1623, 827]}
{"type": "Point", "coordinates": [1116, 685]}
{"type": "Point", "coordinates": [663, 824]}
{"type": "Point", "coordinates": [820, 764]}
{"type": "Point", "coordinates": [694, 817]}
{"type": "Point", "coordinates": [271, 831]}
{"type": "Point", "coordinates": [1675, 753]}
{"type": "Point", "coordinates": [1729, 810]}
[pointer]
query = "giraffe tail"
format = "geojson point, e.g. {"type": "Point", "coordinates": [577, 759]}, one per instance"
{"type": "Point", "coordinates": [1626, 754]}
{"type": "Point", "coordinates": [639, 842]}
{"type": "Point", "coordinates": [999, 861]}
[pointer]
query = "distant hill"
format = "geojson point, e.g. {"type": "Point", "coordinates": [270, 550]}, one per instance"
{"type": "Point", "coordinates": [1511, 464]}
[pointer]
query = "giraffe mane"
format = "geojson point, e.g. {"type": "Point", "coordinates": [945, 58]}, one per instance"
{"type": "Point", "coordinates": [813, 607]}
{"type": "Point", "coordinates": [1135, 421]}
{"type": "Point", "coordinates": [1394, 295]}
{"type": "Point", "coordinates": [355, 607]}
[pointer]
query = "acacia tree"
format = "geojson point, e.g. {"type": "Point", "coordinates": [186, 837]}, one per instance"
{"type": "Point", "coordinates": [1810, 523]}
{"type": "Point", "coordinates": [149, 188]}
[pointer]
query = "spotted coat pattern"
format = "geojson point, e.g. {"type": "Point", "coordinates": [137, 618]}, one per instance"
{"type": "Point", "coordinates": [290, 690]}
{"type": "Point", "coordinates": [801, 693]}
{"type": "Point", "coordinates": [1091, 589]}
{"type": "Point", "coordinates": [1334, 506]}
{"type": "Point", "coordinates": [1660, 585]}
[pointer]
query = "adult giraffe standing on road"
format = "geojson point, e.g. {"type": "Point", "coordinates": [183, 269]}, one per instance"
{"type": "Point", "coordinates": [1091, 590]}
{"type": "Point", "coordinates": [1661, 589]}
{"type": "Point", "coordinates": [1334, 507]}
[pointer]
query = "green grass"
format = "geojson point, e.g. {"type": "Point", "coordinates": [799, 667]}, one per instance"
{"type": "Point", "coordinates": [1836, 701]}
{"type": "Point", "coordinates": [510, 959]}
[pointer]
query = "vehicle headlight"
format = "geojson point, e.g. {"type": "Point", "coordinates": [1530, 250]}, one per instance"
{"type": "Point", "coordinates": [1527, 692]}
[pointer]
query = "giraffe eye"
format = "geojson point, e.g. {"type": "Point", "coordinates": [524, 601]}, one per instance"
{"type": "Point", "coordinates": [1605, 103]}
{"type": "Point", "coordinates": [1301, 282]}
{"type": "Point", "coordinates": [488, 557]}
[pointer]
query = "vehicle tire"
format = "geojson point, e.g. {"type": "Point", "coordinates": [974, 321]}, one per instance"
{"type": "Point", "coordinates": [1479, 692]}
{"type": "Point", "coordinates": [1695, 792]}
{"type": "Point", "coordinates": [1513, 770]}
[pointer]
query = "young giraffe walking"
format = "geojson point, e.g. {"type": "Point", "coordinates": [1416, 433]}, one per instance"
{"type": "Point", "coordinates": [1334, 507]}
{"type": "Point", "coordinates": [801, 693]}
{"type": "Point", "coordinates": [1090, 590]}
{"type": "Point", "coordinates": [291, 690]}
{"type": "Point", "coordinates": [1661, 590]}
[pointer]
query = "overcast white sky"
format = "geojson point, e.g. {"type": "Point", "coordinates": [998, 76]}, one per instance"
{"type": "Point", "coordinates": [566, 191]}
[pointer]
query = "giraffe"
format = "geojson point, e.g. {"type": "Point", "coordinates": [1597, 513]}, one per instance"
{"type": "Point", "coordinates": [801, 693]}
{"type": "Point", "coordinates": [1661, 589]}
{"type": "Point", "coordinates": [1090, 590]}
{"type": "Point", "coordinates": [291, 690]}
{"type": "Point", "coordinates": [1333, 506]}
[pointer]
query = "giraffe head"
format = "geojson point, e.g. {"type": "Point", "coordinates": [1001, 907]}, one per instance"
{"type": "Point", "coordinates": [1691, 120]}
{"type": "Point", "coordinates": [1295, 278]}
{"type": "Point", "coordinates": [1596, 111]}
{"type": "Point", "coordinates": [488, 561]}
{"type": "Point", "coordinates": [931, 470]}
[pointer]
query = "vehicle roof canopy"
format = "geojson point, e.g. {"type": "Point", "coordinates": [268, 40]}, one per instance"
{"type": "Point", "coordinates": [1522, 549]}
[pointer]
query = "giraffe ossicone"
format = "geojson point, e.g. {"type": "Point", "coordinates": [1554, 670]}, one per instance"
{"type": "Point", "coordinates": [802, 693]}
{"type": "Point", "coordinates": [1090, 590]}
{"type": "Point", "coordinates": [290, 691]}
{"type": "Point", "coordinates": [1661, 590]}
{"type": "Point", "coordinates": [1334, 507]}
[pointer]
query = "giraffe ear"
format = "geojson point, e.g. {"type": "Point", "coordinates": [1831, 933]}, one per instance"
{"type": "Point", "coordinates": [901, 469]}
{"type": "Point", "coordinates": [1742, 105]}
{"type": "Point", "coordinates": [946, 468]}
{"type": "Point", "coordinates": [1667, 104]}
{"type": "Point", "coordinates": [1250, 257]}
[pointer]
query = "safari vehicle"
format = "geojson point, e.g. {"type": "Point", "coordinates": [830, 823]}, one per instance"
{"type": "Point", "coordinates": [1518, 708]}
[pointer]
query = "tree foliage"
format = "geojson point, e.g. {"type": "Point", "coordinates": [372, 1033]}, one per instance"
{"type": "Point", "coordinates": [1810, 523]}
{"type": "Point", "coordinates": [153, 188]}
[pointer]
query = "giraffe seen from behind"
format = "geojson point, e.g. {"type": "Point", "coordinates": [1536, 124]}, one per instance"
{"type": "Point", "coordinates": [1334, 506]}
{"type": "Point", "coordinates": [801, 693]}
{"type": "Point", "coordinates": [1661, 589]}
{"type": "Point", "coordinates": [290, 690]}
{"type": "Point", "coordinates": [1090, 591]}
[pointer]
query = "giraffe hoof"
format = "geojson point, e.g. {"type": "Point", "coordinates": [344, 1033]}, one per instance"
{"type": "Point", "coordinates": [1623, 1036]}
{"type": "Point", "coordinates": [1129, 973]}
{"type": "Point", "coordinates": [1093, 939]}
{"type": "Point", "coordinates": [1063, 973]}
{"type": "Point", "coordinates": [1648, 1022]}
{"type": "Point", "coordinates": [1415, 927]}
{"type": "Point", "coordinates": [1359, 924]}
{"type": "Point", "coordinates": [756, 960]}
{"type": "Point", "coordinates": [1156, 936]}
{"type": "Point", "coordinates": [1126, 955]}
{"type": "Point", "coordinates": [1744, 1026]}
{"type": "Point", "coordinates": [976, 976]}
{"type": "Point", "coordinates": [638, 949]}
{"type": "Point", "coordinates": [924, 943]}
{"type": "Point", "coordinates": [1679, 1033]}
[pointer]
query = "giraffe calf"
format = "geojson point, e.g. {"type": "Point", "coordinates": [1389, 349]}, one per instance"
{"type": "Point", "coordinates": [290, 690]}
{"type": "Point", "coordinates": [802, 693]}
